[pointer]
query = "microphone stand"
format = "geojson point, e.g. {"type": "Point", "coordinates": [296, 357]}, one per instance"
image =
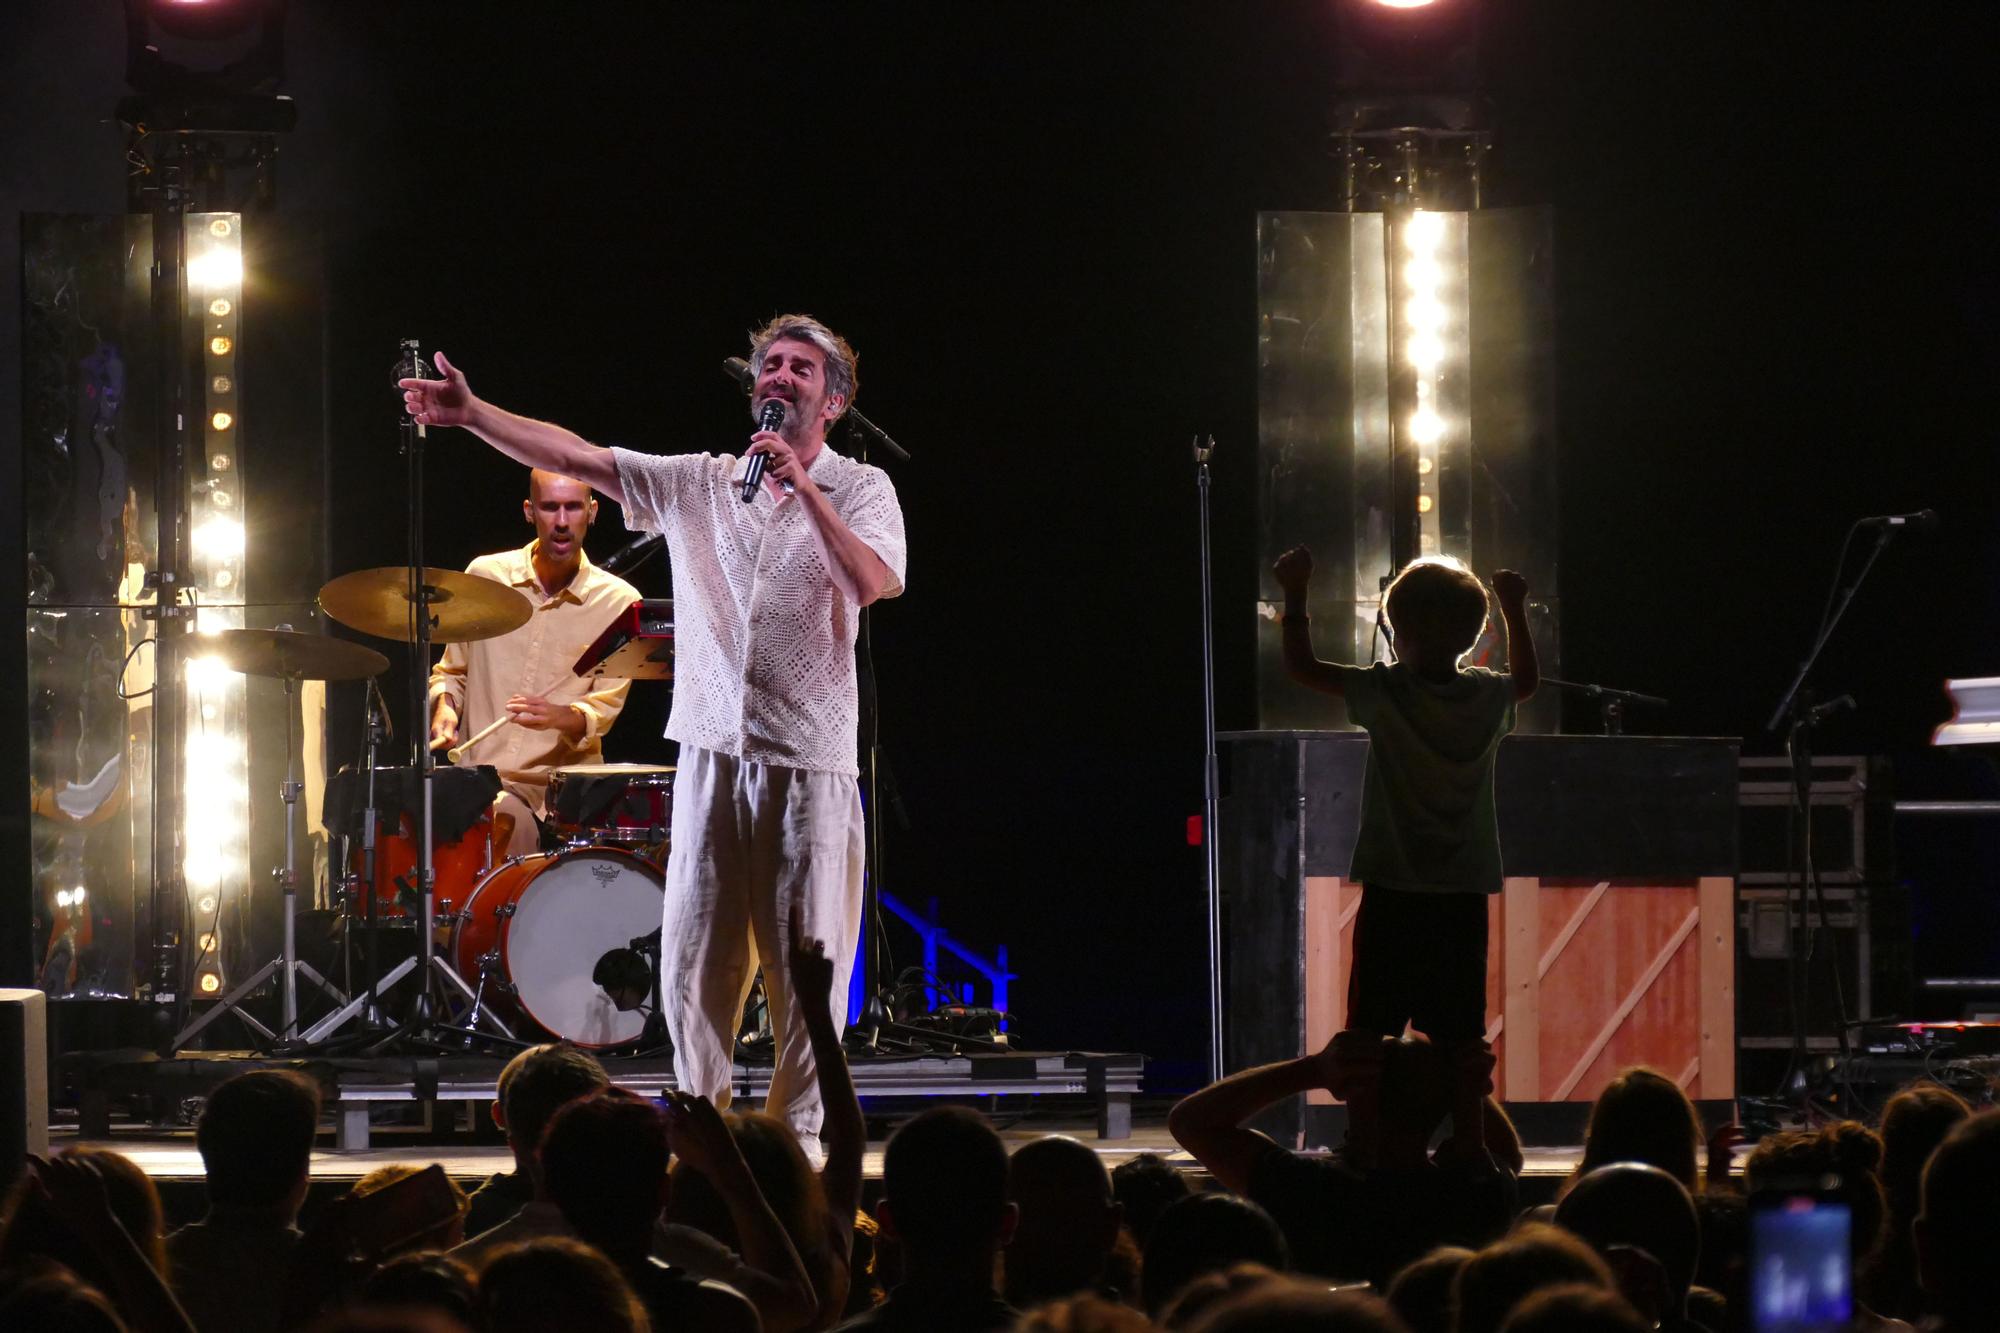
{"type": "Point", "coordinates": [875, 1013]}
{"type": "Point", "coordinates": [1799, 716]}
{"type": "Point", "coordinates": [1611, 704]}
{"type": "Point", "coordinates": [1210, 770]}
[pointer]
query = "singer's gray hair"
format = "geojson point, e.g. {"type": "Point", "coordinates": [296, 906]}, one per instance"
{"type": "Point", "coordinates": [842, 362]}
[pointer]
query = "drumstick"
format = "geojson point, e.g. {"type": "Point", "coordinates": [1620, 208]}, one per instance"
{"type": "Point", "coordinates": [457, 752]}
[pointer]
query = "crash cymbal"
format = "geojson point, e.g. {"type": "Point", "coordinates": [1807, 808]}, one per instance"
{"type": "Point", "coordinates": [292, 656]}
{"type": "Point", "coordinates": [463, 607]}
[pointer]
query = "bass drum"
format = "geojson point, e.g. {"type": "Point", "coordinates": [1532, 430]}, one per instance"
{"type": "Point", "coordinates": [538, 925]}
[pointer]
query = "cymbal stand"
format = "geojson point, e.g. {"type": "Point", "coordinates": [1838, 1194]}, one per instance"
{"type": "Point", "coordinates": [365, 1002]}
{"type": "Point", "coordinates": [286, 966]}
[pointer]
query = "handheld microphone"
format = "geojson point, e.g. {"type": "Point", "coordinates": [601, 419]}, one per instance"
{"type": "Point", "coordinates": [771, 418]}
{"type": "Point", "coordinates": [1924, 520]}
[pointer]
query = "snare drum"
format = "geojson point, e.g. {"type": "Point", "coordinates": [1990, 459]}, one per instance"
{"type": "Point", "coordinates": [612, 805]}
{"type": "Point", "coordinates": [529, 939]}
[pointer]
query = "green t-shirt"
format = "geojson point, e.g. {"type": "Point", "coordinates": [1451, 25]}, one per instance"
{"type": "Point", "coordinates": [1427, 818]}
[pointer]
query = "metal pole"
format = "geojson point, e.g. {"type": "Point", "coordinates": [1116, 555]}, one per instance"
{"type": "Point", "coordinates": [1211, 783]}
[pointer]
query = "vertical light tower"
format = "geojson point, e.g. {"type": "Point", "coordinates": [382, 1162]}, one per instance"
{"type": "Point", "coordinates": [1405, 397]}
{"type": "Point", "coordinates": [203, 118]}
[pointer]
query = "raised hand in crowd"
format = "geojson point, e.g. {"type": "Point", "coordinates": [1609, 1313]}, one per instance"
{"type": "Point", "coordinates": [70, 1190]}
{"type": "Point", "coordinates": [779, 1285]}
{"type": "Point", "coordinates": [844, 1131]}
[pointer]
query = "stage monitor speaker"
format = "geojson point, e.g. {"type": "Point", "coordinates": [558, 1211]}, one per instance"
{"type": "Point", "coordinates": [24, 1079]}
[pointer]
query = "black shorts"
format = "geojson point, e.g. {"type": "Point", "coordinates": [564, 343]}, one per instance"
{"type": "Point", "coordinates": [1420, 959]}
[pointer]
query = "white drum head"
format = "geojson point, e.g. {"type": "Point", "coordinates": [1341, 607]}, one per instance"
{"type": "Point", "coordinates": [571, 914]}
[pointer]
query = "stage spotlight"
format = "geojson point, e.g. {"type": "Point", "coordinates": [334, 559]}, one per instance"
{"type": "Point", "coordinates": [221, 421]}
{"type": "Point", "coordinates": [205, 46]}
{"type": "Point", "coordinates": [1408, 63]}
{"type": "Point", "coordinates": [210, 983]}
{"type": "Point", "coordinates": [221, 346]}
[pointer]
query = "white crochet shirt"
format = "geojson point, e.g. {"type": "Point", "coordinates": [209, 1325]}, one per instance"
{"type": "Point", "coordinates": [763, 637]}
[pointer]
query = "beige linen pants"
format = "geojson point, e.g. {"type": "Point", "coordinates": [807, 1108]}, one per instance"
{"type": "Point", "coordinates": [750, 840]}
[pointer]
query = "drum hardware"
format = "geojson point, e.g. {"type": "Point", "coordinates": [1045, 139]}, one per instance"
{"type": "Point", "coordinates": [291, 657]}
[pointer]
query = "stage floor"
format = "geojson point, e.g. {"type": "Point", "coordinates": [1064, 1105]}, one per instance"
{"type": "Point", "coordinates": [172, 1156]}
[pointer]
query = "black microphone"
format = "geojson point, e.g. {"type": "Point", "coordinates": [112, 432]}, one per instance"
{"type": "Point", "coordinates": [739, 370]}
{"type": "Point", "coordinates": [633, 553]}
{"type": "Point", "coordinates": [771, 418]}
{"type": "Point", "coordinates": [1924, 520]}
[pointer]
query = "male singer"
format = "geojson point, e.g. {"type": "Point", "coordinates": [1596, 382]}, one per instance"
{"type": "Point", "coordinates": [767, 813]}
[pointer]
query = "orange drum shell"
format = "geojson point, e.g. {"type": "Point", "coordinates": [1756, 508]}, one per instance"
{"type": "Point", "coordinates": [459, 865]}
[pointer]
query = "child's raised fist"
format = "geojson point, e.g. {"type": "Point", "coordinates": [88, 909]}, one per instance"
{"type": "Point", "coordinates": [1510, 588]}
{"type": "Point", "coordinates": [1294, 569]}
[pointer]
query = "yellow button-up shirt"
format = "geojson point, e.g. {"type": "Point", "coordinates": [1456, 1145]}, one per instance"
{"type": "Point", "coordinates": [480, 677]}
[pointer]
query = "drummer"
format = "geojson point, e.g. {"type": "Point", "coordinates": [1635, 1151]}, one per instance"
{"type": "Point", "coordinates": [475, 683]}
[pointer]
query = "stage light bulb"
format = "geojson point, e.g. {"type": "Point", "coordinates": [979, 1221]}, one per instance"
{"type": "Point", "coordinates": [210, 983]}
{"type": "Point", "coordinates": [219, 539]}
{"type": "Point", "coordinates": [219, 227]}
{"type": "Point", "coordinates": [1424, 232]}
{"type": "Point", "coordinates": [1426, 314]}
{"type": "Point", "coordinates": [1421, 276]}
{"type": "Point", "coordinates": [220, 345]}
{"type": "Point", "coordinates": [1426, 427]}
{"type": "Point", "coordinates": [1424, 467]}
{"type": "Point", "coordinates": [222, 384]}
{"type": "Point", "coordinates": [207, 675]}
{"type": "Point", "coordinates": [220, 306]}
{"type": "Point", "coordinates": [62, 897]}
{"type": "Point", "coordinates": [223, 578]}
{"type": "Point", "coordinates": [1423, 504]}
{"type": "Point", "coordinates": [221, 421]}
{"type": "Point", "coordinates": [207, 941]}
{"type": "Point", "coordinates": [205, 904]}
{"type": "Point", "coordinates": [219, 462]}
{"type": "Point", "coordinates": [221, 266]}
{"type": "Point", "coordinates": [221, 499]}
{"type": "Point", "coordinates": [1425, 354]}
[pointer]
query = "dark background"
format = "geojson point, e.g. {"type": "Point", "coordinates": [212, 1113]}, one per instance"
{"type": "Point", "coordinates": [1776, 313]}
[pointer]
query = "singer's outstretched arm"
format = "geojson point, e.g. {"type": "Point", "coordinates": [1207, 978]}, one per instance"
{"type": "Point", "coordinates": [541, 444]}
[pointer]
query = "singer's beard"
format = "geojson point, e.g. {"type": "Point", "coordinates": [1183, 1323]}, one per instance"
{"type": "Point", "coordinates": [793, 428]}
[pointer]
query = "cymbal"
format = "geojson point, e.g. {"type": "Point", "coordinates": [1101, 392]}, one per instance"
{"type": "Point", "coordinates": [463, 607]}
{"type": "Point", "coordinates": [292, 656]}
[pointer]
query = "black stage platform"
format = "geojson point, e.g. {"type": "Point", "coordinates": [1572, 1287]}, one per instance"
{"type": "Point", "coordinates": [353, 1087]}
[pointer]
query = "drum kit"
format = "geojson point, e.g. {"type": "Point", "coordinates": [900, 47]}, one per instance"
{"type": "Point", "coordinates": [512, 946]}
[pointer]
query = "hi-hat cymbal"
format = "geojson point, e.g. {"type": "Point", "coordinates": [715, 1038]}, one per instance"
{"type": "Point", "coordinates": [291, 656]}
{"type": "Point", "coordinates": [463, 607]}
